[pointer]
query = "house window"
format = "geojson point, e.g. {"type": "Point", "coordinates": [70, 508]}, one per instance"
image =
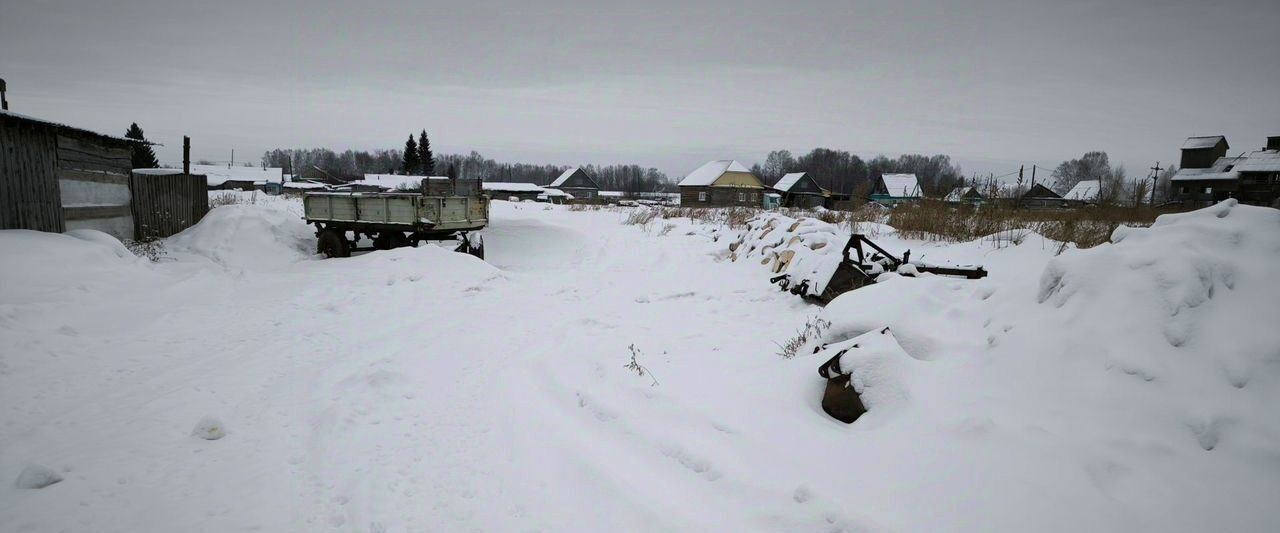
{"type": "Point", "coordinates": [702, 196]}
{"type": "Point", "coordinates": [742, 197]}
{"type": "Point", "coordinates": [1208, 190]}
{"type": "Point", "coordinates": [1183, 189]}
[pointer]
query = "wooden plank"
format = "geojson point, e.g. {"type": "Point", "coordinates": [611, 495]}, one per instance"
{"type": "Point", "coordinates": [97, 211]}
{"type": "Point", "coordinates": [94, 177]}
{"type": "Point", "coordinates": [106, 148]}
{"type": "Point", "coordinates": [90, 166]}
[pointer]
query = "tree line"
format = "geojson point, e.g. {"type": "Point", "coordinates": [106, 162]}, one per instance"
{"type": "Point", "coordinates": [842, 172]}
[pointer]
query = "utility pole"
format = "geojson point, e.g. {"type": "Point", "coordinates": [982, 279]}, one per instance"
{"type": "Point", "coordinates": [1155, 176]}
{"type": "Point", "coordinates": [4, 102]}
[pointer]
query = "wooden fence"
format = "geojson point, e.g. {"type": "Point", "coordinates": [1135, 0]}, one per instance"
{"type": "Point", "coordinates": [167, 204]}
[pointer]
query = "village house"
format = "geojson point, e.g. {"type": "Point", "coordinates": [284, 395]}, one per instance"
{"type": "Point", "coordinates": [722, 183]}
{"type": "Point", "coordinates": [554, 196]}
{"type": "Point", "coordinates": [1208, 175]}
{"type": "Point", "coordinates": [512, 191]}
{"type": "Point", "coordinates": [577, 183]}
{"type": "Point", "coordinates": [892, 189]}
{"type": "Point", "coordinates": [1039, 196]}
{"type": "Point", "coordinates": [1084, 193]}
{"type": "Point", "coordinates": [229, 178]}
{"type": "Point", "coordinates": [800, 190]}
{"type": "Point", "coordinates": [964, 195]}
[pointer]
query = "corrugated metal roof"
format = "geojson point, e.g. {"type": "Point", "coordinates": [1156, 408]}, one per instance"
{"type": "Point", "coordinates": [902, 185]}
{"type": "Point", "coordinates": [61, 125]}
{"type": "Point", "coordinates": [504, 186]}
{"type": "Point", "coordinates": [707, 174]}
{"type": "Point", "coordinates": [1209, 141]}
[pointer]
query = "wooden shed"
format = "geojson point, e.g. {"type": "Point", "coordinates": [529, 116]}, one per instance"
{"type": "Point", "coordinates": [1039, 196]}
{"type": "Point", "coordinates": [891, 189]}
{"type": "Point", "coordinates": [55, 177]}
{"type": "Point", "coordinates": [799, 189]}
{"type": "Point", "coordinates": [723, 183]}
{"type": "Point", "coordinates": [514, 191]}
{"type": "Point", "coordinates": [577, 183]}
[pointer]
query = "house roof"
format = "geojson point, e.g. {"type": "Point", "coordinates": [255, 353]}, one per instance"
{"type": "Point", "coordinates": [901, 185]}
{"type": "Point", "coordinates": [1038, 190]}
{"type": "Point", "coordinates": [309, 185]}
{"type": "Point", "coordinates": [157, 171]}
{"type": "Point", "coordinates": [511, 186]}
{"type": "Point", "coordinates": [218, 174]}
{"type": "Point", "coordinates": [957, 194]}
{"type": "Point", "coordinates": [1086, 191]}
{"type": "Point", "coordinates": [555, 192]}
{"type": "Point", "coordinates": [564, 176]}
{"type": "Point", "coordinates": [788, 181]}
{"type": "Point", "coordinates": [1260, 161]}
{"type": "Point", "coordinates": [1217, 171]}
{"type": "Point", "coordinates": [29, 118]}
{"type": "Point", "coordinates": [395, 181]}
{"type": "Point", "coordinates": [1208, 141]}
{"type": "Point", "coordinates": [707, 174]}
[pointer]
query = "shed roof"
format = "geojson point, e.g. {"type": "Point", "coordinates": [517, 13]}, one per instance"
{"type": "Point", "coordinates": [511, 186]}
{"type": "Point", "coordinates": [1225, 168]}
{"type": "Point", "coordinates": [1260, 161]}
{"type": "Point", "coordinates": [548, 193]}
{"type": "Point", "coordinates": [395, 181]}
{"type": "Point", "coordinates": [707, 174]}
{"type": "Point", "coordinates": [901, 185]}
{"type": "Point", "coordinates": [788, 181]}
{"type": "Point", "coordinates": [218, 174]}
{"type": "Point", "coordinates": [1085, 191]}
{"type": "Point", "coordinates": [29, 118]}
{"type": "Point", "coordinates": [957, 194]}
{"type": "Point", "coordinates": [157, 171]}
{"type": "Point", "coordinates": [1208, 141]}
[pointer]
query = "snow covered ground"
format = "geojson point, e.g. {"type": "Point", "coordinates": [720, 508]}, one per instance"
{"type": "Point", "coordinates": [1127, 387]}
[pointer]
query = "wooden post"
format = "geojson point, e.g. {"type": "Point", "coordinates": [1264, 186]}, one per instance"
{"type": "Point", "coordinates": [1155, 176]}
{"type": "Point", "coordinates": [4, 102]}
{"type": "Point", "coordinates": [186, 154]}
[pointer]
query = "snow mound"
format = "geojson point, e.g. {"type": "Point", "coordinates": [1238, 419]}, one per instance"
{"type": "Point", "coordinates": [37, 477]}
{"type": "Point", "coordinates": [877, 366]}
{"type": "Point", "coordinates": [250, 237]}
{"type": "Point", "coordinates": [806, 248]}
{"type": "Point", "coordinates": [39, 264]}
{"type": "Point", "coordinates": [209, 428]}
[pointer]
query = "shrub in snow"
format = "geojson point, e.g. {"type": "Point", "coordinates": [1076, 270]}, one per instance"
{"type": "Point", "coordinates": [867, 372]}
{"type": "Point", "coordinates": [37, 477]}
{"type": "Point", "coordinates": [209, 428]}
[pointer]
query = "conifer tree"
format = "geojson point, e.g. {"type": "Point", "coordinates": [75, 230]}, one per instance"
{"type": "Point", "coordinates": [411, 163]}
{"type": "Point", "coordinates": [143, 155]}
{"type": "Point", "coordinates": [425, 156]}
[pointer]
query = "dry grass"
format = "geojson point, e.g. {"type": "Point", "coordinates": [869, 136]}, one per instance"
{"type": "Point", "coordinates": [1085, 227]}
{"type": "Point", "coordinates": [232, 198]}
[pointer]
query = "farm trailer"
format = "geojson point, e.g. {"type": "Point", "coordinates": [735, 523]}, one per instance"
{"type": "Point", "coordinates": [396, 219]}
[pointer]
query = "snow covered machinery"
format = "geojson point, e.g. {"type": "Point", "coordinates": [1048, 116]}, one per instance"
{"type": "Point", "coordinates": [443, 210]}
{"type": "Point", "coordinates": [857, 272]}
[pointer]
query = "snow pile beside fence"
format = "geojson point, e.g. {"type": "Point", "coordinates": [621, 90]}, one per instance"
{"type": "Point", "coordinates": [263, 236]}
{"type": "Point", "coordinates": [805, 248]}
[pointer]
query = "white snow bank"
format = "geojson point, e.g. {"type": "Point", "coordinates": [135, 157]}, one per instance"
{"type": "Point", "coordinates": [1135, 384]}
{"type": "Point", "coordinates": [38, 265]}
{"type": "Point", "coordinates": [37, 477]}
{"type": "Point", "coordinates": [252, 237]}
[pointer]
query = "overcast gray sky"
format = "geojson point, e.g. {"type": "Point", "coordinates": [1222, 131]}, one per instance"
{"type": "Point", "coordinates": [658, 83]}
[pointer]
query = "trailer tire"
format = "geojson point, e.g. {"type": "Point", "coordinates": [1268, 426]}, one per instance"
{"type": "Point", "coordinates": [333, 243]}
{"type": "Point", "coordinates": [396, 239]}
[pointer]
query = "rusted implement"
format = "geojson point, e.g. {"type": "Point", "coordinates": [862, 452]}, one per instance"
{"type": "Point", "coordinates": [859, 268]}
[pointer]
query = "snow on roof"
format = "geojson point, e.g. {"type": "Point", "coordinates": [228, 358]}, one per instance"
{"type": "Point", "coordinates": [707, 174]}
{"type": "Point", "coordinates": [395, 181]}
{"type": "Point", "coordinates": [1086, 191]}
{"type": "Point", "coordinates": [218, 174]}
{"type": "Point", "coordinates": [1260, 161]}
{"type": "Point", "coordinates": [157, 171]}
{"type": "Point", "coordinates": [61, 125]}
{"type": "Point", "coordinates": [507, 186]}
{"type": "Point", "coordinates": [788, 181]}
{"type": "Point", "coordinates": [555, 192]}
{"type": "Point", "coordinates": [1218, 171]}
{"type": "Point", "coordinates": [563, 177]}
{"type": "Point", "coordinates": [1195, 143]}
{"type": "Point", "coordinates": [304, 185]}
{"type": "Point", "coordinates": [957, 194]}
{"type": "Point", "coordinates": [902, 185]}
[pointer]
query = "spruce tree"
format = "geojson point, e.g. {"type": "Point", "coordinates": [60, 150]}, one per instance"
{"type": "Point", "coordinates": [453, 172]}
{"type": "Point", "coordinates": [425, 156]}
{"type": "Point", "coordinates": [143, 155]}
{"type": "Point", "coordinates": [411, 162]}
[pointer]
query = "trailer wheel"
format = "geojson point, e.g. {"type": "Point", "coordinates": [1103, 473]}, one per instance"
{"type": "Point", "coordinates": [333, 243]}
{"type": "Point", "coordinates": [396, 239]}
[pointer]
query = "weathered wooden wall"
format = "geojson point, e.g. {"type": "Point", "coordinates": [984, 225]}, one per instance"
{"type": "Point", "coordinates": [29, 197]}
{"type": "Point", "coordinates": [164, 205]}
{"type": "Point", "coordinates": [721, 196]}
{"type": "Point", "coordinates": [93, 181]}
